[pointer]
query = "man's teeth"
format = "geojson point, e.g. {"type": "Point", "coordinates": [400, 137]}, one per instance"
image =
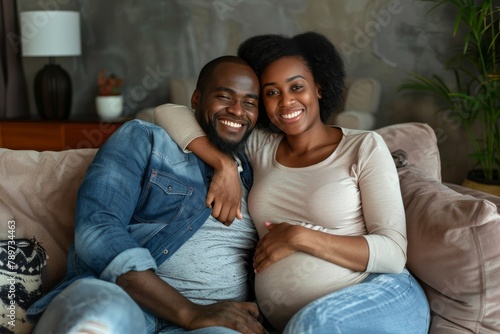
{"type": "Point", "coordinates": [231, 124]}
{"type": "Point", "coordinates": [292, 115]}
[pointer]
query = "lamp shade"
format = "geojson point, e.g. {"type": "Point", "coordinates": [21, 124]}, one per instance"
{"type": "Point", "coordinates": [50, 33]}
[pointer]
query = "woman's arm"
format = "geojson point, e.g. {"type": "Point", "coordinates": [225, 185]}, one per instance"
{"type": "Point", "coordinates": [223, 195]}
{"type": "Point", "coordinates": [180, 123]}
{"type": "Point", "coordinates": [383, 208]}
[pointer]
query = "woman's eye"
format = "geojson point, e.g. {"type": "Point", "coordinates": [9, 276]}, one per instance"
{"type": "Point", "coordinates": [271, 92]}
{"type": "Point", "coordinates": [297, 87]}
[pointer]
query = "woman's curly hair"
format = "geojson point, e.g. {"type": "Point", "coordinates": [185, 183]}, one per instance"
{"type": "Point", "coordinates": [318, 53]}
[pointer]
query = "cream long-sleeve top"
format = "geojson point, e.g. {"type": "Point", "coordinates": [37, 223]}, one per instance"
{"type": "Point", "coordinates": [355, 191]}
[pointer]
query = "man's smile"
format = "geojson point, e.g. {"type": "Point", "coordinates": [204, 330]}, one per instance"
{"type": "Point", "coordinates": [231, 124]}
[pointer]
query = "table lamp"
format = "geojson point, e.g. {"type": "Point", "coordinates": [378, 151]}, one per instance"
{"type": "Point", "coordinates": [51, 34]}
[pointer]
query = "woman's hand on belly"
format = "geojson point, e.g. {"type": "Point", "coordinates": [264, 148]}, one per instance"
{"type": "Point", "coordinates": [285, 239]}
{"type": "Point", "coordinates": [281, 241]}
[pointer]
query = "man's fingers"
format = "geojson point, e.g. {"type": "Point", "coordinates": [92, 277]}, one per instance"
{"type": "Point", "coordinates": [240, 316]}
{"type": "Point", "coordinates": [224, 213]}
{"type": "Point", "coordinates": [209, 200]}
{"type": "Point", "coordinates": [251, 325]}
{"type": "Point", "coordinates": [239, 215]}
{"type": "Point", "coordinates": [216, 210]}
{"type": "Point", "coordinates": [253, 310]}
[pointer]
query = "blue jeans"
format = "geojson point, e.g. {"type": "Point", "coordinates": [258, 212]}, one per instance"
{"type": "Point", "coordinates": [382, 303]}
{"type": "Point", "coordinates": [91, 305]}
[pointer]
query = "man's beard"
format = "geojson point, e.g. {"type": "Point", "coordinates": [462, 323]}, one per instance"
{"type": "Point", "coordinates": [226, 146]}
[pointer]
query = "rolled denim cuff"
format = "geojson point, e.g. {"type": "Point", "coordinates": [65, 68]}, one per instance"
{"type": "Point", "coordinates": [136, 259]}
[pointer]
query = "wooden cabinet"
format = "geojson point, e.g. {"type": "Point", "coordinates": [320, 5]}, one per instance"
{"type": "Point", "coordinates": [43, 135]}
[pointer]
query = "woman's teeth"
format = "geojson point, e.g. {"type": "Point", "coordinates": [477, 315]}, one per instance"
{"type": "Point", "coordinates": [292, 115]}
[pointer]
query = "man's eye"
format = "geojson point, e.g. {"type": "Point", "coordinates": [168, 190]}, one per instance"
{"type": "Point", "coordinates": [250, 103]}
{"type": "Point", "coordinates": [224, 97]}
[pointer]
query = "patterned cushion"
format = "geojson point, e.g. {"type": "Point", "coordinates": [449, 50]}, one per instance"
{"type": "Point", "coordinates": [21, 263]}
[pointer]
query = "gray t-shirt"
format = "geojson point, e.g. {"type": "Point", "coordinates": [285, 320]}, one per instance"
{"type": "Point", "coordinates": [213, 264]}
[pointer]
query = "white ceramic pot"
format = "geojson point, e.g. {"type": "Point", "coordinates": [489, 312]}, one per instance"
{"type": "Point", "coordinates": [109, 106]}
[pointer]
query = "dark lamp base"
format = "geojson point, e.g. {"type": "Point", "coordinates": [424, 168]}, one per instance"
{"type": "Point", "coordinates": [53, 92]}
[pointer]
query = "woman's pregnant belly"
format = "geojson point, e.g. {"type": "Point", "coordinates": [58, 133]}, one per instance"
{"type": "Point", "coordinates": [286, 286]}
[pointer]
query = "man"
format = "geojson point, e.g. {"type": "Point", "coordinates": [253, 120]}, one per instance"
{"type": "Point", "coordinates": [147, 256]}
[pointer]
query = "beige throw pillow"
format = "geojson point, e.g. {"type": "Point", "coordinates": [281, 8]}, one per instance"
{"type": "Point", "coordinates": [453, 249]}
{"type": "Point", "coordinates": [38, 191]}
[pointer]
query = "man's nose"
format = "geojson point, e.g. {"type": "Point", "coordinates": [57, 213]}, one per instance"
{"type": "Point", "coordinates": [236, 108]}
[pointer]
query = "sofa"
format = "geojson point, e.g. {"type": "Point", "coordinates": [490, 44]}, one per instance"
{"type": "Point", "coordinates": [453, 232]}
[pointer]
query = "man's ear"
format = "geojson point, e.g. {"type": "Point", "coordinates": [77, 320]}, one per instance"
{"type": "Point", "coordinates": [195, 98]}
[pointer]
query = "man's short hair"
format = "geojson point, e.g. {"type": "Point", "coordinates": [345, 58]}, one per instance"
{"type": "Point", "coordinates": [207, 70]}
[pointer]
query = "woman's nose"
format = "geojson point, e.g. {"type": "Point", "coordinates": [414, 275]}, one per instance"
{"type": "Point", "coordinates": [287, 99]}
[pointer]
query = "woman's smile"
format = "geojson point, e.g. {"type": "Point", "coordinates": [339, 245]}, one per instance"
{"type": "Point", "coordinates": [292, 114]}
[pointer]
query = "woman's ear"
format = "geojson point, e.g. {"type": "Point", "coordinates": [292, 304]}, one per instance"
{"type": "Point", "coordinates": [195, 99]}
{"type": "Point", "coordinates": [318, 91]}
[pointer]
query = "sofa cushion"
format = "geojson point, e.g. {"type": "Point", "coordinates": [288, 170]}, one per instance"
{"type": "Point", "coordinates": [419, 142]}
{"type": "Point", "coordinates": [38, 191]}
{"type": "Point", "coordinates": [453, 250]}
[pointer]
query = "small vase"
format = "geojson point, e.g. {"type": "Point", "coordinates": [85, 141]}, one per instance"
{"type": "Point", "coordinates": [109, 106]}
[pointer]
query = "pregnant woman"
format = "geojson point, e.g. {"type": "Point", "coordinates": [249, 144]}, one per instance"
{"type": "Point", "coordinates": [325, 200]}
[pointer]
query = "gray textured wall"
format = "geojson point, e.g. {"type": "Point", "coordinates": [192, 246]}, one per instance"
{"type": "Point", "coordinates": [150, 41]}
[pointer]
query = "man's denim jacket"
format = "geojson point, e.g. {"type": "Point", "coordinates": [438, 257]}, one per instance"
{"type": "Point", "coordinates": [141, 199]}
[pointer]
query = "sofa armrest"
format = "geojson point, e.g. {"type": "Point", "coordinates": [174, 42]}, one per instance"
{"type": "Point", "coordinates": [453, 250]}
{"type": "Point", "coordinates": [475, 193]}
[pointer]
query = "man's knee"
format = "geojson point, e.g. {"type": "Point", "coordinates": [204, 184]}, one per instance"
{"type": "Point", "coordinates": [92, 306]}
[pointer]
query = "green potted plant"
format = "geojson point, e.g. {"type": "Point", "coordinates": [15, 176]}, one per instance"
{"type": "Point", "coordinates": [109, 100]}
{"type": "Point", "coordinates": [475, 97]}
